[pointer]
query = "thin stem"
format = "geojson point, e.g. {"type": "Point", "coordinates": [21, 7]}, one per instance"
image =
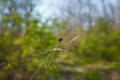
{"type": "Point", "coordinates": [36, 71]}
{"type": "Point", "coordinates": [50, 62]}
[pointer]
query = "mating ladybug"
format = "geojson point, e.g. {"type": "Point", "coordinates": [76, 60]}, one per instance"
{"type": "Point", "coordinates": [60, 39]}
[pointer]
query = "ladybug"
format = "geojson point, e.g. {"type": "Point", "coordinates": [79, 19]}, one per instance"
{"type": "Point", "coordinates": [60, 39]}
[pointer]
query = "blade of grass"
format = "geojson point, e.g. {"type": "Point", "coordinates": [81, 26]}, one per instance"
{"type": "Point", "coordinates": [50, 62]}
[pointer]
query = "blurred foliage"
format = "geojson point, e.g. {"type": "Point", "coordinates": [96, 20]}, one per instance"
{"type": "Point", "coordinates": [25, 44]}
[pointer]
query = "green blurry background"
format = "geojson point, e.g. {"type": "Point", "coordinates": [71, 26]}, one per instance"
{"type": "Point", "coordinates": [29, 32]}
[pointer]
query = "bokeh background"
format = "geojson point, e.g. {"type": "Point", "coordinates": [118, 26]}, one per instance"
{"type": "Point", "coordinates": [29, 33]}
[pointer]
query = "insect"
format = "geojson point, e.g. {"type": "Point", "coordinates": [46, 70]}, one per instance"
{"type": "Point", "coordinates": [60, 39]}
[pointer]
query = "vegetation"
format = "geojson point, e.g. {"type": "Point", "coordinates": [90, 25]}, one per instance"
{"type": "Point", "coordinates": [33, 50]}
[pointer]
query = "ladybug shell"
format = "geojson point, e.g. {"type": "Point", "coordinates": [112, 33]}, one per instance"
{"type": "Point", "coordinates": [60, 39]}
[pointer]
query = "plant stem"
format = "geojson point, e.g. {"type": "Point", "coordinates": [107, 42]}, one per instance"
{"type": "Point", "coordinates": [50, 62]}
